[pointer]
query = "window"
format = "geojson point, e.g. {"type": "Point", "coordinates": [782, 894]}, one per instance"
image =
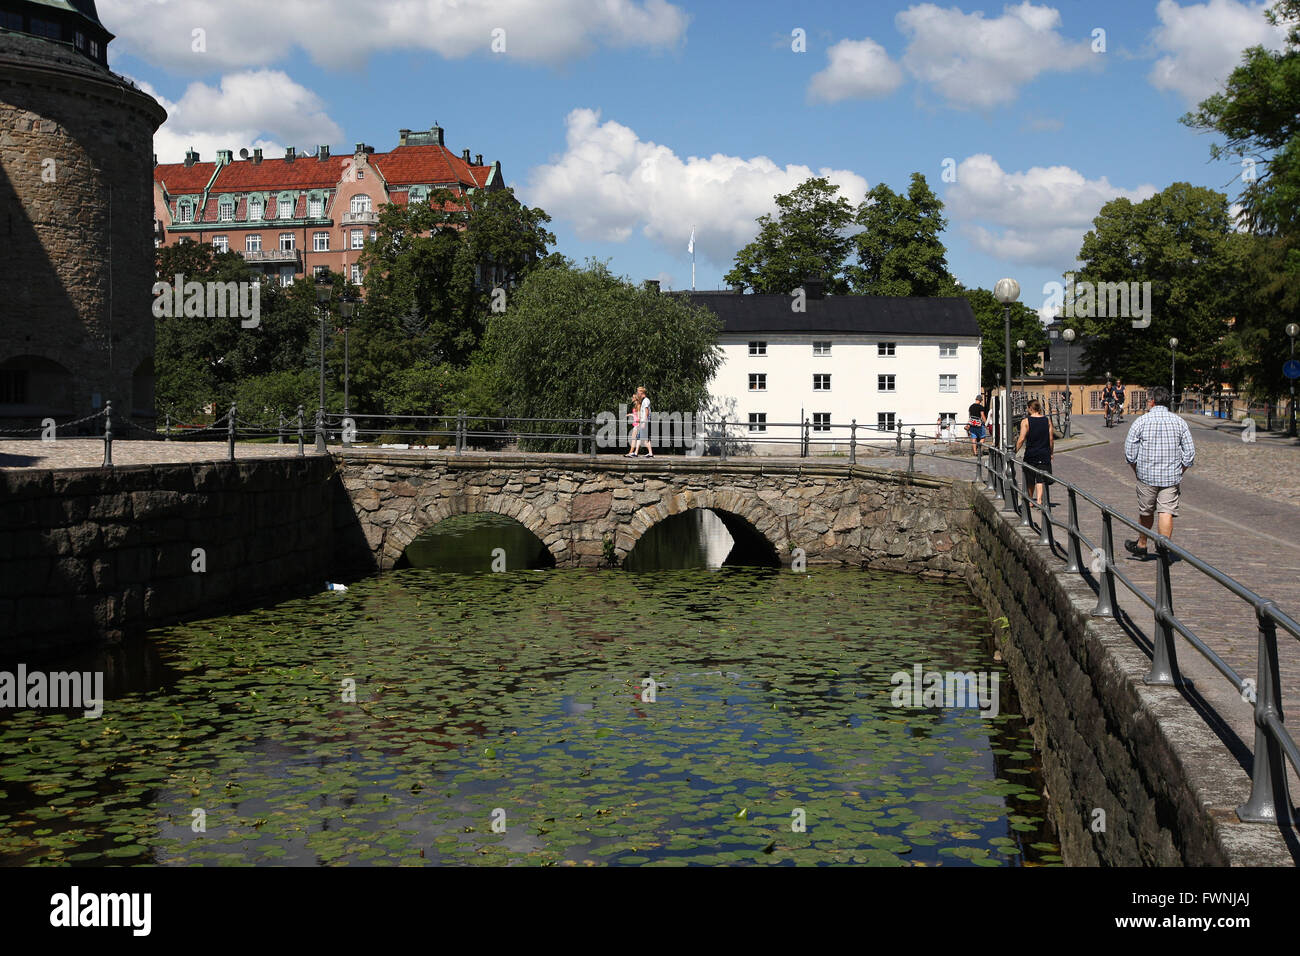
{"type": "Point", "coordinates": [221, 243]}
{"type": "Point", "coordinates": [360, 204]}
{"type": "Point", "coordinates": [286, 276]}
{"type": "Point", "coordinates": [1052, 333]}
{"type": "Point", "coordinates": [80, 40]}
{"type": "Point", "coordinates": [321, 273]}
{"type": "Point", "coordinates": [11, 21]}
{"type": "Point", "coordinates": [255, 208]}
{"type": "Point", "coordinates": [884, 349]}
{"type": "Point", "coordinates": [320, 242]}
{"type": "Point", "coordinates": [373, 235]}
{"type": "Point", "coordinates": [316, 207]}
{"type": "Point", "coordinates": [286, 242]}
{"type": "Point", "coordinates": [884, 383]}
{"type": "Point", "coordinates": [821, 421]}
{"type": "Point", "coordinates": [757, 348]}
{"type": "Point", "coordinates": [758, 421]}
{"type": "Point", "coordinates": [356, 274]}
{"type": "Point", "coordinates": [46, 28]}
{"type": "Point", "coordinates": [885, 421]}
{"type": "Point", "coordinates": [226, 210]}
{"type": "Point", "coordinates": [758, 381]}
{"type": "Point", "coordinates": [821, 382]}
{"type": "Point", "coordinates": [253, 242]}
{"type": "Point", "coordinates": [357, 239]}
{"type": "Point", "coordinates": [947, 350]}
{"type": "Point", "coordinates": [184, 212]}
{"type": "Point", "coordinates": [947, 383]}
{"type": "Point", "coordinates": [94, 49]}
{"type": "Point", "coordinates": [285, 210]}
{"type": "Point", "coordinates": [821, 348]}
{"type": "Point", "coordinates": [13, 386]}
{"type": "Point", "coordinates": [361, 174]}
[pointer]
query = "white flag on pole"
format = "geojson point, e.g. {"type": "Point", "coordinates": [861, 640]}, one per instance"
{"type": "Point", "coordinates": [690, 246]}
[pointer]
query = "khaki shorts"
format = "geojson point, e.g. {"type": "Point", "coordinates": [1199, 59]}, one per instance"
{"type": "Point", "coordinates": [1152, 499]}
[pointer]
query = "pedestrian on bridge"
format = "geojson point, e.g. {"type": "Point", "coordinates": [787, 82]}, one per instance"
{"type": "Point", "coordinates": [977, 424]}
{"type": "Point", "coordinates": [1039, 443]}
{"type": "Point", "coordinates": [1159, 449]}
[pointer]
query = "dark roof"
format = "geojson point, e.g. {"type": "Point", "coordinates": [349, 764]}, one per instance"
{"type": "Point", "coordinates": [869, 314]}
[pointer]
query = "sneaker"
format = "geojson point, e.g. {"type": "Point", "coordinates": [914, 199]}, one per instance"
{"type": "Point", "coordinates": [1132, 548]}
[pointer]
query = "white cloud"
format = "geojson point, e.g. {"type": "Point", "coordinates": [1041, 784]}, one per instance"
{"type": "Point", "coordinates": [856, 69]}
{"type": "Point", "coordinates": [245, 33]}
{"type": "Point", "coordinates": [976, 62]}
{"type": "Point", "coordinates": [257, 108]}
{"type": "Point", "coordinates": [1035, 217]}
{"type": "Point", "coordinates": [609, 183]}
{"type": "Point", "coordinates": [1204, 43]}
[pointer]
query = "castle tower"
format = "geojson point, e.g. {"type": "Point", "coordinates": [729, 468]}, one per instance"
{"type": "Point", "coordinates": [76, 217]}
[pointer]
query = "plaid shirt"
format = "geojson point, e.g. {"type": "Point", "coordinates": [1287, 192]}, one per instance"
{"type": "Point", "coordinates": [1160, 444]}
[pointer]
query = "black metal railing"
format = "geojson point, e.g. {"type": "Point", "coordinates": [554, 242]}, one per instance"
{"type": "Point", "coordinates": [1269, 800]}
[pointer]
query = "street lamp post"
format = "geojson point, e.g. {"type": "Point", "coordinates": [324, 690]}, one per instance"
{"type": "Point", "coordinates": [346, 307]}
{"type": "Point", "coordinates": [1292, 330]}
{"type": "Point", "coordinates": [1173, 368]}
{"type": "Point", "coordinates": [1068, 335]}
{"type": "Point", "coordinates": [1006, 291]}
{"type": "Point", "coordinates": [1020, 347]}
{"type": "Point", "coordinates": [323, 291]}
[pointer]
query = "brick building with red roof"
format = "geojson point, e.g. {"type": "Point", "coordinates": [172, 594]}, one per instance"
{"type": "Point", "coordinates": [303, 215]}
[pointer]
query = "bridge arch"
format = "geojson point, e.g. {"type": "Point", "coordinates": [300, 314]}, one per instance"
{"type": "Point", "coordinates": [745, 515]}
{"type": "Point", "coordinates": [406, 530]}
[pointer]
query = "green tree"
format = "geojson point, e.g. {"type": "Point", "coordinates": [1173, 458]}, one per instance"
{"type": "Point", "coordinates": [899, 249]}
{"type": "Point", "coordinates": [1180, 240]}
{"type": "Point", "coordinates": [580, 340]}
{"type": "Point", "coordinates": [1025, 324]}
{"type": "Point", "coordinates": [806, 240]}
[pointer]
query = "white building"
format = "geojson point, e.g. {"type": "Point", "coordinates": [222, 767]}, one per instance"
{"type": "Point", "coordinates": [881, 360]}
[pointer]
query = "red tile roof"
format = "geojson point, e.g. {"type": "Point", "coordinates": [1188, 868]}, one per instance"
{"type": "Point", "coordinates": [305, 172]}
{"type": "Point", "coordinates": [481, 174]}
{"type": "Point", "coordinates": [181, 180]}
{"type": "Point", "coordinates": [423, 165]}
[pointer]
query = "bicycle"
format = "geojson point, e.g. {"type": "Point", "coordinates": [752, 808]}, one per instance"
{"type": "Point", "coordinates": [1110, 415]}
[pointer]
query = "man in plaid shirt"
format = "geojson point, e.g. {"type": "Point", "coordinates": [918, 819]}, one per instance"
{"type": "Point", "coordinates": [1159, 449]}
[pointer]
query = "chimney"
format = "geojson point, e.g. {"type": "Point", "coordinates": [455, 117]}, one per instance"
{"type": "Point", "coordinates": [464, 156]}
{"type": "Point", "coordinates": [290, 153]}
{"type": "Point", "coordinates": [478, 159]}
{"type": "Point", "coordinates": [224, 157]}
{"type": "Point", "coordinates": [652, 285]}
{"type": "Point", "coordinates": [324, 153]}
{"type": "Point", "coordinates": [257, 156]}
{"type": "Point", "coordinates": [191, 157]}
{"type": "Point", "coordinates": [814, 288]}
{"type": "Point", "coordinates": [436, 134]}
{"type": "Point", "coordinates": [402, 135]}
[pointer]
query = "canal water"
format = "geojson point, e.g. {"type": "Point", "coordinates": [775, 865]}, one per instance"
{"type": "Point", "coordinates": [444, 713]}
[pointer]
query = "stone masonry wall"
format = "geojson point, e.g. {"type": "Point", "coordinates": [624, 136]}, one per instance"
{"type": "Point", "coordinates": [88, 555]}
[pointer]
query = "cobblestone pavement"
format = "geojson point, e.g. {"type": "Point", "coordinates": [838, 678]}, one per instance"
{"type": "Point", "coordinates": [89, 452]}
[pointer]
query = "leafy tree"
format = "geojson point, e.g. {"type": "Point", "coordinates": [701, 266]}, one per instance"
{"type": "Point", "coordinates": [580, 340]}
{"type": "Point", "coordinates": [1025, 324]}
{"type": "Point", "coordinates": [899, 249]}
{"type": "Point", "coordinates": [807, 239]}
{"type": "Point", "coordinates": [1180, 240]}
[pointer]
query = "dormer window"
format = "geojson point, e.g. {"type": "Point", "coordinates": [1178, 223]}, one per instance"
{"type": "Point", "coordinates": [255, 208]}
{"type": "Point", "coordinates": [184, 212]}
{"type": "Point", "coordinates": [226, 210]}
{"type": "Point", "coordinates": [94, 49]}
{"type": "Point", "coordinates": [81, 40]}
{"type": "Point", "coordinates": [285, 210]}
{"type": "Point", "coordinates": [315, 207]}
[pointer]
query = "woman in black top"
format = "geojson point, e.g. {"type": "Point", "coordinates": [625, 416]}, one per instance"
{"type": "Point", "coordinates": [1038, 441]}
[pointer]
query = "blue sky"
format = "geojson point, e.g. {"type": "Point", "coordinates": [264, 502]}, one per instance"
{"type": "Point", "coordinates": [629, 121]}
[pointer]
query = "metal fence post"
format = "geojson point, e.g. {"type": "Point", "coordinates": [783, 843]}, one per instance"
{"type": "Point", "coordinates": [230, 434]}
{"type": "Point", "coordinates": [320, 431]}
{"type": "Point", "coordinates": [300, 432]}
{"type": "Point", "coordinates": [803, 451]}
{"type": "Point", "coordinates": [168, 427]}
{"type": "Point", "coordinates": [724, 437]}
{"type": "Point", "coordinates": [996, 472]}
{"type": "Point", "coordinates": [1045, 516]}
{"type": "Point", "coordinates": [1010, 500]}
{"type": "Point", "coordinates": [853, 442]}
{"type": "Point", "coordinates": [595, 426]}
{"type": "Point", "coordinates": [1073, 552]}
{"type": "Point", "coordinates": [1164, 657]}
{"type": "Point", "coordinates": [108, 435]}
{"type": "Point", "coordinates": [279, 428]}
{"type": "Point", "coordinates": [1270, 801]}
{"type": "Point", "coordinates": [898, 440]}
{"type": "Point", "coordinates": [1106, 582]}
{"type": "Point", "coordinates": [460, 431]}
{"type": "Point", "coordinates": [911, 454]}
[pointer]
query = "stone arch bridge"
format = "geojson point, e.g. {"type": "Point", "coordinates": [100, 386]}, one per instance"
{"type": "Point", "coordinates": [837, 513]}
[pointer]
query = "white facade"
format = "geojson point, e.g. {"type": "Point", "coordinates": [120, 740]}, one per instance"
{"type": "Point", "coordinates": [880, 379]}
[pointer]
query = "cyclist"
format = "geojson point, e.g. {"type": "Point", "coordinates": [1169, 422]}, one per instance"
{"type": "Point", "coordinates": [1108, 402]}
{"type": "Point", "coordinates": [1119, 397]}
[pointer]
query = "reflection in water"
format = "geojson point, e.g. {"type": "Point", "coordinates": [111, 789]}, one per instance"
{"type": "Point", "coordinates": [471, 542]}
{"type": "Point", "coordinates": [693, 539]}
